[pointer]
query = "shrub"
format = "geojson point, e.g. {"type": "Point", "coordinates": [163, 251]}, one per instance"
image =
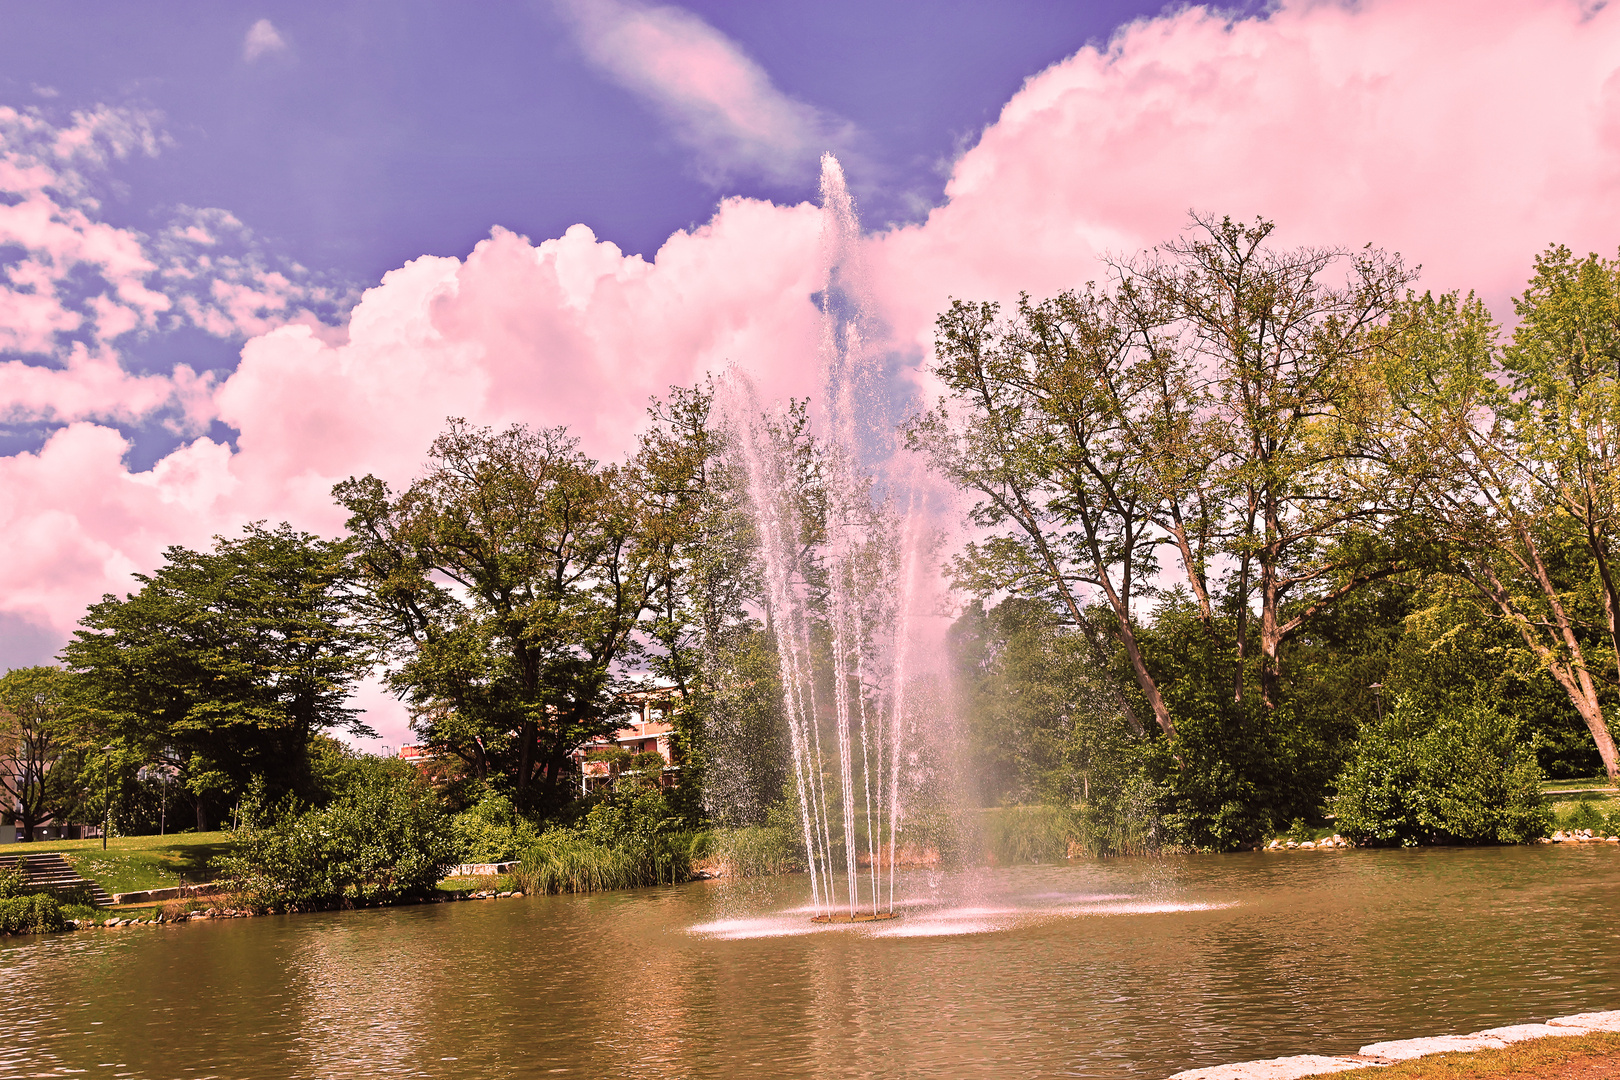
{"type": "Point", "coordinates": [12, 881]}
{"type": "Point", "coordinates": [387, 838]}
{"type": "Point", "coordinates": [36, 914]}
{"type": "Point", "coordinates": [1468, 776]}
{"type": "Point", "coordinates": [493, 831]}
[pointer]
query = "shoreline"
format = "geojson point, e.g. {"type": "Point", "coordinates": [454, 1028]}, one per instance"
{"type": "Point", "coordinates": [1384, 1054]}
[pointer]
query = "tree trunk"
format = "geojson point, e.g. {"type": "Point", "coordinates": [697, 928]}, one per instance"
{"type": "Point", "coordinates": [525, 755]}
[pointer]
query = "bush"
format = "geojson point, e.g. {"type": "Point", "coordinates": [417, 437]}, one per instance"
{"type": "Point", "coordinates": [12, 881]}
{"type": "Point", "coordinates": [1587, 813]}
{"type": "Point", "coordinates": [36, 914]}
{"type": "Point", "coordinates": [1469, 776]}
{"type": "Point", "coordinates": [493, 832]}
{"type": "Point", "coordinates": [386, 839]}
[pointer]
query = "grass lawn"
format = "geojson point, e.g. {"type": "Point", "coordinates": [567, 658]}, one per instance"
{"type": "Point", "coordinates": [137, 862]}
{"type": "Point", "coordinates": [1587, 1056]}
{"type": "Point", "coordinates": [1598, 781]}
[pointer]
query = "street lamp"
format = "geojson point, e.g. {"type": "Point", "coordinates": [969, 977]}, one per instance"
{"type": "Point", "coordinates": [106, 792]}
{"type": "Point", "coordinates": [162, 771]}
{"type": "Point", "coordinates": [1378, 695]}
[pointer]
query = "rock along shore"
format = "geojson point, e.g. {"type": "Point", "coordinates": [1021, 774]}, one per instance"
{"type": "Point", "coordinates": [221, 912]}
{"type": "Point", "coordinates": [1388, 1053]}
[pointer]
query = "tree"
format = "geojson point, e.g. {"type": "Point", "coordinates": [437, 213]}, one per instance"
{"type": "Point", "coordinates": [1198, 428]}
{"type": "Point", "coordinates": [232, 659]}
{"type": "Point", "coordinates": [510, 581]}
{"type": "Point", "coordinates": [700, 541]}
{"type": "Point", "coordinates": [1212, 402]}
{"type": "Point", "coordinates": [41, 753]}
{"type": "Point", "coordinates": [1511, 456]}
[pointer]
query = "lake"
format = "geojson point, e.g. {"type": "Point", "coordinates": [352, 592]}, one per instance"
{"type": "Point", "coordinates": [1119, 968]}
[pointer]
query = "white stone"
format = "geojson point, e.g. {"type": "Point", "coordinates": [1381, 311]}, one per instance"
{"type": "Point", "coordinates": [1592, 1021]}
{"type": "Point", "coordinates": [1406, 1049]}
{"type": "Point", "coordinates": [1287, 1068]}
{"type": "Point", "coordinates": [1308, 844]}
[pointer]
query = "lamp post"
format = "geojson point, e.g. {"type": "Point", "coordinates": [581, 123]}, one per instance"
{"type": "Point", "coordinates": [1378, 695]}
{"type": "Point", "coordinates": [106, 792]}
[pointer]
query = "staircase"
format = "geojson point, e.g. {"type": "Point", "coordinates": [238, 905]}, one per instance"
{"type": "Point", "coordinates": [51, 873]}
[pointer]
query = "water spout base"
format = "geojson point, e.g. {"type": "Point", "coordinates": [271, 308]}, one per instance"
{"type": "Point", "coordinates": [863, 917]}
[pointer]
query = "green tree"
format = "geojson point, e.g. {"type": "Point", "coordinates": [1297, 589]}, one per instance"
{"type": "Point", "coordinates": [1510, 458]}
{"type": "Point", "coordinates": [1201, 424]}
{"type": "Point", "coordinates": [510, 580]}
{"type": "Point", "coordinates": [700, 541]}
{"type": "Point", "coordinates": [42, 747]}
{"type": "Point", "coordinates": [1212, 402]}
{"type": "Point", "coordinates": [232, 659]}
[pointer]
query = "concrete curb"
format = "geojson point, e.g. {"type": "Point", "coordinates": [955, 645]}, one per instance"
{"type": "Point", "coordinates": [177, 892]}
{"type": "Point", "coordinates": [1387, 1053]}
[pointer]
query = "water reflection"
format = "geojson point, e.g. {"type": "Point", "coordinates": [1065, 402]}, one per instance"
{"type": "Point", "coordinates": [1124, 968]}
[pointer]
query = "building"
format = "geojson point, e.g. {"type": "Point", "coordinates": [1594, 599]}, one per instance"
{"type": "Point", "coordinates": [647, 726]}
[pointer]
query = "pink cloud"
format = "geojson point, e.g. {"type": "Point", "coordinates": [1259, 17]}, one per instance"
{"type": "Point", "coordinates": [722, 103]}
{"type": "Point", "coordinates": [1466, 137]}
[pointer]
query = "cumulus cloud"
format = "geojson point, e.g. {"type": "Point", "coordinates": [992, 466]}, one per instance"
{"type": "Point", "coordinates": [1467, 137]}
{"type": "Point", "coordinates": [722, 104]}
{"type": "Point", "coordinates": [263, 39]}
{"type": "Point", "coordinates": [73, 289]}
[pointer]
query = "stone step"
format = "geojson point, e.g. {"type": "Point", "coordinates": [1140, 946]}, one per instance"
{"type": "Point", "coordinates": [51, 872]}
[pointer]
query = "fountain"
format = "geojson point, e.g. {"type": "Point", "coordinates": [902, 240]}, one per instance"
{"type": "Point", "coordinates": [851, 754]}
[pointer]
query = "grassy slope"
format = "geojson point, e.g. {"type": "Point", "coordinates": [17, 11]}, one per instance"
{"type": "Point", "coordinates": [1539, 1059]}
{"type": "Point", "coordinates": [137, 862]}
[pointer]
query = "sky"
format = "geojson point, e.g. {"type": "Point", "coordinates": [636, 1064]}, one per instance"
{"type": "Point", "coordinates": [246, 252]}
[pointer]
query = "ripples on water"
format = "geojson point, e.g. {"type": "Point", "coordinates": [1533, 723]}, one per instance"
{"type": "Point", "coordinates": [1131, 967]}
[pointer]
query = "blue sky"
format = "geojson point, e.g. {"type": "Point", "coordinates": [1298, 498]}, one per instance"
{"type": "Point", "coordinates": [386, 131]}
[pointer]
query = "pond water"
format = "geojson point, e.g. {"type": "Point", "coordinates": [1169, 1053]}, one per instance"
{"type": "Point", "coordinates": [1120, 968]}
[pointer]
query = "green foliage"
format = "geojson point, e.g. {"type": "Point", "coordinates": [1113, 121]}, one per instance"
{"type": "Point", "coordinates": [43, 744]}
{"type": "Point", "coordinates": [493, 831]}
{"type": "Point", "coordinates": [1453, 651]}
{"type": "Point", "coordinates": [627, 840]}
{"type": "Point", "coordinates": [35, 914]}
{"type": "Point", "coordinates": [12, 881]}
{"type": "Point", "coordinates": [385, 839]}
{"type": "Point", "coordinates": [1585, 814]}
{"type": "Point", "coordinates": [231, 660]}
{"type": "Point", "coordinates": [1468, 775]}
{"type": "Point", "coordinates": [510, 580]}
{"type": "Point", "coordinates": [1025, 834]}
{"type": "Point", "coordinates": [745, 733]}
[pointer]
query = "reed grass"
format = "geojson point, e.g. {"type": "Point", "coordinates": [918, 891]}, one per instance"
{"type": "Point", "coordinates": [759, 851]}
{"type": "Point", "coordinates": [567, 862]}
{"type": "Point", "coordinates": [1035, 834]}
